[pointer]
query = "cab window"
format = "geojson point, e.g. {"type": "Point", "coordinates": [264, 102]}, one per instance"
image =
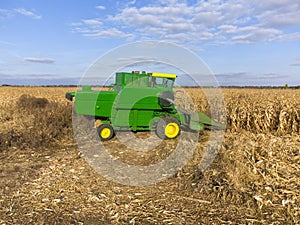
{"type": "Point", "coordinates": [168, 83]}
{"type": "Point", "coordinates": [161, 82]}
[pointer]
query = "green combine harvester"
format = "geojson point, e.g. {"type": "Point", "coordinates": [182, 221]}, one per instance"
{"type": "Point", "coordinates": [138, 102]}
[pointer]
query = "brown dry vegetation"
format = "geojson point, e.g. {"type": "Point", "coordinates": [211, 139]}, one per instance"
{"type": "Point", "coordinates": [255, 179]}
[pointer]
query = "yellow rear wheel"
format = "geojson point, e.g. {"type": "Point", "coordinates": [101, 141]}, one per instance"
{"type": "Point", "coordinates": [105, 132]}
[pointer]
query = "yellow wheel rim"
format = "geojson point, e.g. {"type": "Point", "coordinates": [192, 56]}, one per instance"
{"type": "Point", "coordinates": [172, 130]}
{"type": "Point", "coordinates": [105, 132]}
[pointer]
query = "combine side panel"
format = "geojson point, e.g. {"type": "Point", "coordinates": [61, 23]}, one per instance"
{"type": "Point", "coordinates": [85, 102]}
{"type": "Point", "coordinates": [95, 103]}
{"type": "Point", "coordinates": [136, 119]}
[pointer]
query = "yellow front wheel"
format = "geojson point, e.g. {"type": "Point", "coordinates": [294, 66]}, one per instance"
{"type": "Point", "coordinates": [172, 130]}
{"type": "Point", "coordinates": [168, 128]}
{"type": "Point", "coordinates": [105, 132]}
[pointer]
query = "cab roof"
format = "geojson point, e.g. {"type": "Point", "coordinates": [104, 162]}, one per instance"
{"type": "Point", "coordinates": [153, 74]}
{"type": "Point", "coordinates": [164, 75]}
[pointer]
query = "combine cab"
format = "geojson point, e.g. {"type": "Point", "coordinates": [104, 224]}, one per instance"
{"type": "Point", "coordinates": [138, 102]}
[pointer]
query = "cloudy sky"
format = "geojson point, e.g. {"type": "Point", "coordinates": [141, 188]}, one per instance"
{"type": "Point", "coordinates": [243, 42]}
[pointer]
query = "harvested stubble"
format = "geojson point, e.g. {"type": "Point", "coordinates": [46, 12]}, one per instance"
{"type": "Point", "coordinates": [254, 179]}
{"type": "Point", "coordinates": [33, 121]}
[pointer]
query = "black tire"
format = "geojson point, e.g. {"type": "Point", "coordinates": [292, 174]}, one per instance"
{"type": "Point", "coordinates": [166, 99]}
{"type": "Point", "coordinates": [105, 132]}
{"type": "Point", "coordinates": [163, 126]}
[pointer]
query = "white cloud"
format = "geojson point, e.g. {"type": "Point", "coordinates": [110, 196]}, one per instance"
{"type": "Point", "coordinates": [92, 22]}
{"type": "Point", "coordinates": [28, 13]}
{"type": "Point", "coordinates": [278, 18]}
{"type": "Point", "coordinates": [4, 13]}
{"type": "Point", "coordinates": [288, 37]}
{"type": "Point", "coordinates": [39, 60]}
{"type": "Point", "coordinates": [108, 33]}
{"type": "Point", "coordinates": [179, 9]}
{"type": "Point", "coordinates": [132, 2]}
{"type": "Point", "coordinates": [101, 7]}
{"type": "Point", "coordinates": [132, 17]}
{"type": "Point", "coordinates": [178, 27]}
{"type": "Point", "coordinates": [211, 22]}
{"type": "Point", "coordinates": [272, 4]}
{"type": "Point", "coordinates": [228, 29]}
{"type": "Point", "coordinates": [208, 18]}
{"type": "Point", "coordinates": [257, 35]}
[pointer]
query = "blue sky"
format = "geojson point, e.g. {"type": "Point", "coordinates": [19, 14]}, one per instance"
{"type": "Point", "coordinates": [243, 42]}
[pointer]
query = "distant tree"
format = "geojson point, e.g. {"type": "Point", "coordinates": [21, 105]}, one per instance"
{"type": "Point", "coordinates": [286, 86]}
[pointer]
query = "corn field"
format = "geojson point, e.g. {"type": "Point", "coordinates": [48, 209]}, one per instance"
{"type": "Point", "coordinates": [254, 178]}
{"type": "Point", "coordinates": [256, 110]}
